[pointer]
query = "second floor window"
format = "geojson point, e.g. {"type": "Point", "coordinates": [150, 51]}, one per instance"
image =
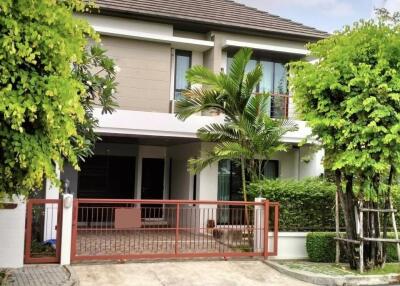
{"type": "Point", "coordinates": [183, 62]}
{"type": "Point", "coordinates": [274, 75]}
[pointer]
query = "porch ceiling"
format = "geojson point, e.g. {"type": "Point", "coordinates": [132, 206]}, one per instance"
{"type": "Point", "coordinates": [146, 140]}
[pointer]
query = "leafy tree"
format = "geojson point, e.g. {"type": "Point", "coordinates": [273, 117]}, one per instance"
{"type": "Point", "coordinates": [248, 135]}
{"type": "Point", "coordinates": [351, 99]}
{"type": "Point", "coordinates": [52, 71]}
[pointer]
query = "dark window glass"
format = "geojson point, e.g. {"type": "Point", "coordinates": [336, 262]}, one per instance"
{"type": "Point", "coordinates": [107, 177]}
{"type": "Point", "coordinates": [271, 169]}
{"type": "Point", "coordinates": [183, 62]}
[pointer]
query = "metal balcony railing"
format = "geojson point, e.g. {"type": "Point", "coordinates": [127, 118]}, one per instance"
{"type": "Point", "coordinates": [279, 105]}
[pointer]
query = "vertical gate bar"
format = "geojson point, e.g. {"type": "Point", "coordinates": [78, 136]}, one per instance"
{"type": "Point", "coordinates": [266, 227]}
{"type": "Point", "coordinates": [28, 234]}
{"type": "Point", "coordinates": [177, 229]}
{"type": "Point", "coordinates": [276, 228]}
{"type": "Point", "coordinates": [74, 239]}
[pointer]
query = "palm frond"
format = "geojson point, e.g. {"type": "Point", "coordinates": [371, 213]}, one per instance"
{"type": "Point", "coordinates": [202, 75]}
{"type": "Point", "coordinates": [239, 63]}
{"type": "Point", "coordinates": [198, 99]}
{"type": "Point", "coordinates": [232, 150]}
{"type": "Point", "coordinates": [196, 165]}
{"type": "Point", "coordinates": [217, 132]}
{"type": "Point", "coordinates": [252, 79]}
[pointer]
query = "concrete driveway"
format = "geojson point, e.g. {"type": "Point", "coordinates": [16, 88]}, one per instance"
{"type": "Point", "coordinates": [233, 272]}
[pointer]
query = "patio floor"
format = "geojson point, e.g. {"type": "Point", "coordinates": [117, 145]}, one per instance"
{"type": "Point", "coordinates": [151, 241]}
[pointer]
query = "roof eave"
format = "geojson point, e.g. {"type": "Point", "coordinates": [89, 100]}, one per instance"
{"type": "Point", "coordinates": [216, 26]}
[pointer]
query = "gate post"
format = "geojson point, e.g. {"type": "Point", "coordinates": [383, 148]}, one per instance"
{"type": "Point", "coordinates": [67, 205]}
{"type": "Point", "coordinates": [261, 226]}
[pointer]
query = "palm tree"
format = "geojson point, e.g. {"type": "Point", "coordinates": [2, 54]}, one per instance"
{"type": "Point", "coordinates": [250, 140]}
{"type": "Point", "coordinates": [248, 134]}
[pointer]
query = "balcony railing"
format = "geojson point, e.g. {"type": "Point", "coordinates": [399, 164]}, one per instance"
{"type": "Point", "coordinates": [279, 105]}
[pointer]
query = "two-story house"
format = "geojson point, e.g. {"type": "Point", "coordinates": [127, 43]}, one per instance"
{"type": "Point", "coordinates": [145, 148]}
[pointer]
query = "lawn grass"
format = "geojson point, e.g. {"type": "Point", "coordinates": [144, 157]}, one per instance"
{"type": "Point", "coordinates": [338, 269]}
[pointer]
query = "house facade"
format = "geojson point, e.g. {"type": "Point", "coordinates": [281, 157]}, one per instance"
{"type": "Point", "coordinates": [144, 149]}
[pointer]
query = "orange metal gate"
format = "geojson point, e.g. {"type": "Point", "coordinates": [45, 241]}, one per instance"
{"type": "Point", "coordinates": [114, 229]}
{"type": "Point", "coordinates": [43, 231]}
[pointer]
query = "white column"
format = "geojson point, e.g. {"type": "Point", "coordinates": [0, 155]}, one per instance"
{"type": "Point", "coordinates": [208, 191]}
{"type": "Point", "coordinates": [66, 229]}
{"type": "Point", "coordinates": [258, 226]}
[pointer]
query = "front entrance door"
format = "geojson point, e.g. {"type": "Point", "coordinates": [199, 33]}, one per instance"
{"type": "Point", "coordinates": [152, 186]}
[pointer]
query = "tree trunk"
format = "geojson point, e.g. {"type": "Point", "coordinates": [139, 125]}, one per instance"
{"type": "Point", "coordinates": [246, 209]}
{"type": "Point", "coordinates": [386, 215]}
{"type": "Point", "coordinates": [348, 204]}
{"type": "Point", "coordinates": [243, 168]}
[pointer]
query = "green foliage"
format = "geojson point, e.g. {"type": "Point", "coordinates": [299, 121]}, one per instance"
{"type": "Point", "coordinates": [351, 99]}
{"type": "Point", "coordinates": [307, 204]}
{"type": "Point", "coordinates": [321, 247]}
{"type": "Point", "coordinates": [49, 78]}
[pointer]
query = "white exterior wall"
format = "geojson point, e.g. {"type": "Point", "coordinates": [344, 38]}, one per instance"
{"type": "Point", "coordinates": [291, 245]}
{"type": "Point", "coordinates": [181, 180]}
{"type": "Point", "coordinates": [311, 168]}
{"type": "Point", "coordinates": [12, 225]}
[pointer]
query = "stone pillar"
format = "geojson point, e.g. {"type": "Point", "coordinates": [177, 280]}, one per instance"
{"type": "Point", "coordinates": [66, 235]}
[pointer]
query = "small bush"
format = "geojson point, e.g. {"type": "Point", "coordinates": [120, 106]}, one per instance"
{"type": "Point", "coordinates": [321, 247]}
{"type": "Point", "coordinates": [305, 205]}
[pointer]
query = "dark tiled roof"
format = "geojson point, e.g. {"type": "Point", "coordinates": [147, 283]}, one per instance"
{"type": "Point", "coordinates": [224, 13]}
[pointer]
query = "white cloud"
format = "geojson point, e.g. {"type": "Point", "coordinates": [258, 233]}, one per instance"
{"type": "Point", "coordinates": [392, 5]}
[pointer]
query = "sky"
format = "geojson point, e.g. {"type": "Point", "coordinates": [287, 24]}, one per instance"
{"type": "Point", "coordinates": [326, 15]}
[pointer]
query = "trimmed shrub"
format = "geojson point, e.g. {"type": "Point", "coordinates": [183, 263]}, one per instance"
{"type": "Point", "coordinates": [305, 205]}
{"type": "Point", "coordinates": [321, 247]}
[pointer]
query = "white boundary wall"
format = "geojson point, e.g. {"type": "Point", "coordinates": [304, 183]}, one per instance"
{"type": "Point", "coordinates": [291, 245]}
{"type": "Point", "coordinates": [12, 225]}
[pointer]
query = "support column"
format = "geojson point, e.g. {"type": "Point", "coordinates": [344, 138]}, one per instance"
{"type": "Point", "coordinates": [208, 191]}
{"type": "Point", "coordinates": [66, 229]}
{"type": "Point", "coordinates": [261, 229]}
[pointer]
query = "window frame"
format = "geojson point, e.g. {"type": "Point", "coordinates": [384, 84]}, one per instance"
{"type": "Point", "coordinates": [258, 60]}
{"type": "Point", "coordinates": [181, 53]}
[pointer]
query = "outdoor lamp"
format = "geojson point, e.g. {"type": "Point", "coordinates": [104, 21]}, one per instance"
{"type": "Point", "coordinates": [68, 201]}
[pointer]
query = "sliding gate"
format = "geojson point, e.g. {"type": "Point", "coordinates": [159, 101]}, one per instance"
{"type": "Point", "coordinates": [128, 229]}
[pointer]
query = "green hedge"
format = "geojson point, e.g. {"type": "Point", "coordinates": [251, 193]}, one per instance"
{"type": "Point", "coordinates": [321, 247]}
{"type": "Point", "coordinates": [305, 205]}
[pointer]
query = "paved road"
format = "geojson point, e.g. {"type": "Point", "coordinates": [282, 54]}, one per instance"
{"type": "Point", "coordinates": [234, 272]}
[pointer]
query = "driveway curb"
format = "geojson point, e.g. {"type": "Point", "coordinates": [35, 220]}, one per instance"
{"type": "Point", "coordinates": [345, 280]}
